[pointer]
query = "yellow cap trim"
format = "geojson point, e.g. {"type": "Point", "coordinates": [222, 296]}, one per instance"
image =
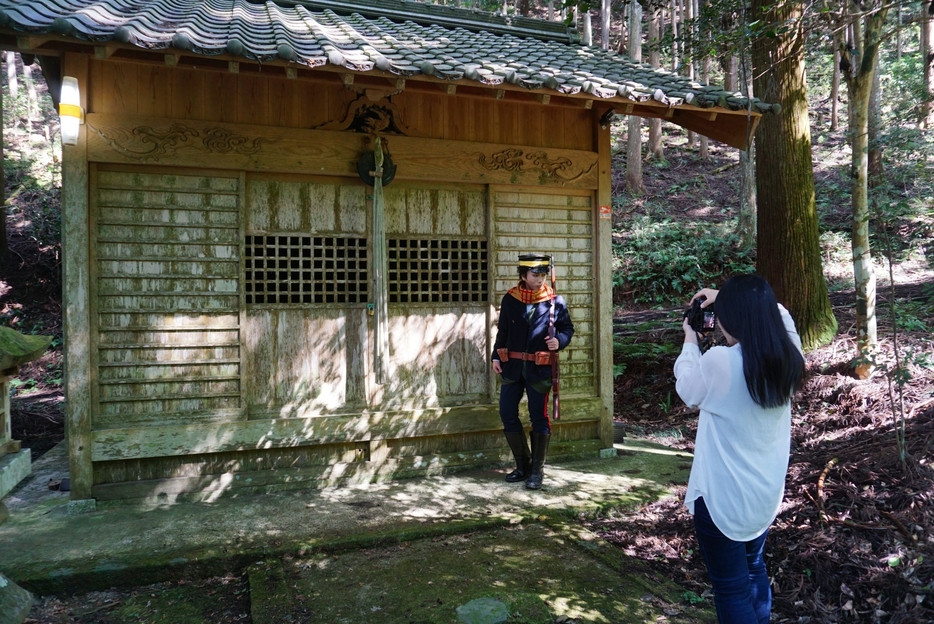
{"type": "Point", "coordinates": [70, 110]}
{"type": "Point", "coordinates": [534, 263]}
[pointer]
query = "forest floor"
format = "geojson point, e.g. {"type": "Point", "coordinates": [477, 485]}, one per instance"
{"type": "Point", "coordinates": [854, 540]}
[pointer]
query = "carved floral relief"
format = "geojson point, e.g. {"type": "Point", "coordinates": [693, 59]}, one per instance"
{"type": "Point", "coordinates": [148, 144]}
{"type": "Point", "coordinates": [512, 159]}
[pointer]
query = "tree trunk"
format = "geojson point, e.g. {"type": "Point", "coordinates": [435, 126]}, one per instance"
{"type": "Point", "coordinates": [876, 168]}
{"type": "Point", "coordinates": [687, 29]}
{"type": "Point", "coordinates": [654, 149]}
{"type": "Point", "coordinates": [605, 25]}
{"type": "Point", "coordinates": [927, 63]}
{"type": "Point", "coordinates": [634, 180]}
{"type": "Point", "coordinates": [674, 36]}
{"type": "Point", "coordinates": [704, 152]}
{"type": "Point", "coordinates": [11, 74]}
{"type": "Point", "coordinates": [748, 209]}
{"type": "Point", "coordinates": [32, 99]}
{"type": "Point", "coordinates": [588, 29]}
{"type": "Point", "coordinates": [859, 89]}
{"type": "Point", "coordinates": [835, 82]}
{"type": "Point", "coordinates": [788, 238]}
{"type": "Point", "coordinates": [4, 244]}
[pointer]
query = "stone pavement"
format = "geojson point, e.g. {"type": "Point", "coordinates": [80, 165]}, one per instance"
{"type": "Point", "coordinates": [52, 546]}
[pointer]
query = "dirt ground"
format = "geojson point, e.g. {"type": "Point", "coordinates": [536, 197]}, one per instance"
{"type": "Point", "coordinates": [854, 541]}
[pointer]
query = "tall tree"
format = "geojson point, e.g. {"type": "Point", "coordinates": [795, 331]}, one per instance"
{"type": "Point", "coordinates": [605, 16]}
{"type": "Point", "coordinates": [654, 149]}
{"type": "Point", "coordinates": [634, 181]}
{"type": "Point", "coordinates": [927, 63]}
{"type": "Point", "coordinates": [788, 238]}
{"type": "Point", "coordinates": [861, 55]}
{"type": "Point", "coordinates": [4, 244]}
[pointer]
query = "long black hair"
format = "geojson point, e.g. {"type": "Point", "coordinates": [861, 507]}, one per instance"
{"type": "Point", "coordinates": [772, 365]}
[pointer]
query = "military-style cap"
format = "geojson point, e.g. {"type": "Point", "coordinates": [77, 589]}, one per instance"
{"type": "Point", "coordinates": [536, 263]}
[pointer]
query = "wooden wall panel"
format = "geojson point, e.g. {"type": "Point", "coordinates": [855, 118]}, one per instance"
{"type": "Point", "coordinates": [221, 98]}
{"type": "Point", "coordinates": [253, 99]}
{"type": "Point", "coordinates": [300, 361]}
{"type": "Point", "coordinates": [167, 269]}
{"type": "Point", "coordinates": [120, 87]}
{"type": "Point", "coordinates": [526, 221]}
{"type": "Point", "coordinates": [438, 357]}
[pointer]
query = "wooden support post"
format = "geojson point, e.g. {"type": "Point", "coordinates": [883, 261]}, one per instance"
{"type": "Point", "coordinates": [76, 286]}
{"type": "Point", "coordinates": [603, 243]}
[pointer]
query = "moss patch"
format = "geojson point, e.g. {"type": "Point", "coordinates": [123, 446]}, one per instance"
{"type": "Point", "coordinates": [542, 573]}
{"type": "Point", "coordinates": [212, 601]}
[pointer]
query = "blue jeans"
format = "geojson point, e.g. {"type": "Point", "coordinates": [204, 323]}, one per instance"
{"type": "Point", "coordinates": [741, 588]}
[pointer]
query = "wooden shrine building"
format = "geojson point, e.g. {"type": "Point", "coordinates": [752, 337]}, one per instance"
{"type": "Point", "coordinates": [221, 220]}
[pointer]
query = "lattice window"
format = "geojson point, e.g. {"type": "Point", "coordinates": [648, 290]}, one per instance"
{"type": "Point", "coordinates": [437, 271]}
{"type": "Point", "coordinates": [285, 268]}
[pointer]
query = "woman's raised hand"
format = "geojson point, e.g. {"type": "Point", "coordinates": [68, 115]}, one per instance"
{"type": "Point", "coordinates": [709, 293]}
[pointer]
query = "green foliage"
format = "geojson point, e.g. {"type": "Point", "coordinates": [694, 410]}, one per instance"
{"type": "Point", "coordinates": [668, 261]}
{"type": "Point", "coordinates": [631, 350]}
{"type": "Point", "coordinates": [691, 598]}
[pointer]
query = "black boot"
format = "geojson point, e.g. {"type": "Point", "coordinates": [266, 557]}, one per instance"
{"type": "Point", "coordinates": [539, 450]}
{"type": "Point", "coordinates": [520, 450]}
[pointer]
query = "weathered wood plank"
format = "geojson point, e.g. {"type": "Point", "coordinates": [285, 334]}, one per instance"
{"type": "Point", "coordinates": [141, 442]}
{"type": "Point", "coordinates": [210, 487]}
{"type": "Point", "coordinates": [128, 139]}
{"type": "Point", "coordinates": [76, 283]}
{"type": "Point", "coordinates": [603, 314]}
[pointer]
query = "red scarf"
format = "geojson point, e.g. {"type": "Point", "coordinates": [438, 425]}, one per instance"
{"type": "Point", "coordinates": [545, 293]}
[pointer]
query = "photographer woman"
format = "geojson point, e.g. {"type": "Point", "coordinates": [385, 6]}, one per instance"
{"type": "Point", "coordinates": [743, 439]}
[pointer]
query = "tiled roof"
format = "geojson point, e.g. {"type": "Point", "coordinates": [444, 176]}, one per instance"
{"type": "Point", "coordinates": [396, 36]}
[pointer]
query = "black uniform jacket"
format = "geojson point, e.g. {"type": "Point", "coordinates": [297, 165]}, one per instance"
{"type": "Point", "coordinates": [516, 332]}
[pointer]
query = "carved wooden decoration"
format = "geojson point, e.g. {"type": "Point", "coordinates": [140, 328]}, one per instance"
{"type": "Point", "coordinates": [364, 115]}
{"type": "Point", "coordinates": [149, 144]}
{"type": "Point", "coordinates": [512, 159]}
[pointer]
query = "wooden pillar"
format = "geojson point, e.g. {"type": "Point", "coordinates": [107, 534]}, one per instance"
{"type": "Point", "coordinates": [603, 242]}
{"type": "Point", "coordinates": [76, 284]}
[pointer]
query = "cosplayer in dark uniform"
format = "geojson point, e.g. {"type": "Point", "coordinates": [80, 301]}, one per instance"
{"type": "Point", "coordinates": [523, 329]}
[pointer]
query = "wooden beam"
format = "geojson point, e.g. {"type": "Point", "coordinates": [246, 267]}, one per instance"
{"type": "Point", "coordinates": [347, 79]}
{"type": "Point", "coordinates": [448, 88]}
{"type": "Point", "coordinates": [499, 94]}
{"type": "Point", "coordinates": [623, 109]}
{"type": "Point", "coordinates": [397, 83]}
{"type": "Point", "coordinates": [543, 98]}
{"type": "Point", "coordinates": [171, 60]}
{"type": "Point", "coordinates": [30, 43]}
{"type": "Point", "coordinates": [178, 440]}
{"type": "Point", "coordinates": [233, 67]}
{"type": "Point", "coordinates": [291, 73]}
{"type": "Point", "coordinates": [103, 52]}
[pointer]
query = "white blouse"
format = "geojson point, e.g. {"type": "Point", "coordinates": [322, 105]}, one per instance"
{"type": "Point", "coordinates": [741, 450]}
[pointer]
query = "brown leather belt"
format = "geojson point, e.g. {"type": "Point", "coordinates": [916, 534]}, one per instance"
{"type": "Point", "coordinates": [519, 355]}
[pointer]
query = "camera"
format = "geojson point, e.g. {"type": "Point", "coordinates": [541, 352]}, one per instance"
{"type": "Point", "coordinates": [701, 320]}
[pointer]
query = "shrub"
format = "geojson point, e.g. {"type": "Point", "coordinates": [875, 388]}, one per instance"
{"type": "Point", "coordinates": [668, 261]}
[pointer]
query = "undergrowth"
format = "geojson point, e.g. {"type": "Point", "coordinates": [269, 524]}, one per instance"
{"type": "Point", "coordinates": [658, 262]}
